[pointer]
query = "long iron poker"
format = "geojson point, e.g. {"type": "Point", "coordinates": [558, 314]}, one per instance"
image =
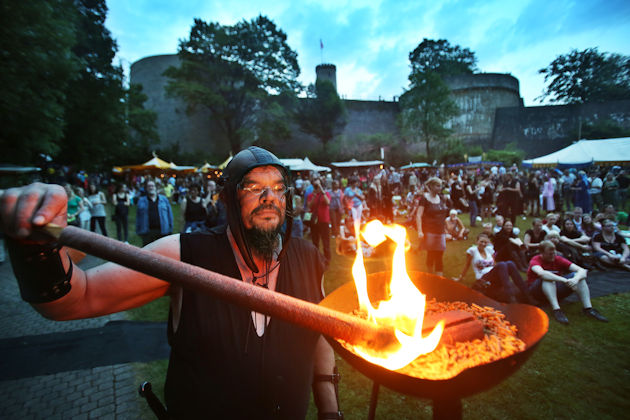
{"type": "Point", "coordinates": [329, 322]}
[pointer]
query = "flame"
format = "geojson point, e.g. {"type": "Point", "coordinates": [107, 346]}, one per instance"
{"type": "Point", "coordinates": [404, 310]}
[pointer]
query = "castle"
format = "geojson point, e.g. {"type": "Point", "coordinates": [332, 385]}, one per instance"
{"type": "Point", "coordinates": [492, 114]}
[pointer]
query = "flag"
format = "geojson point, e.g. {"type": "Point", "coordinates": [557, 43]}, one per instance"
{"type": "Point", "coordinates": [321, 44]}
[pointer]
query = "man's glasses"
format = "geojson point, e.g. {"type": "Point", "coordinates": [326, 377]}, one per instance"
{"type": "Point", "coordinates": [257, 190]}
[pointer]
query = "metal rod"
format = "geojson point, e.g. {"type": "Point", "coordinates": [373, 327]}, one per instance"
{"type": "Point", "coordinates": [373, 400]}
{"type": "Point", "coordinates": [332, 323]}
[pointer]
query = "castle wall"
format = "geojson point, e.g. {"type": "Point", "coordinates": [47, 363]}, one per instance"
{"type": "Point", "coordinates": [541, 130]}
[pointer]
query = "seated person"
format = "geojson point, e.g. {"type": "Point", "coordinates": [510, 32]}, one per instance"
{"type": "Point", "coordinates": [487, 229]}
{"type": "Point", "coordinates": [550, 223]}
{"type": "Point", "coordinates": [577, 217]}
{"type": "Point", "coordinates": [533, 238]}
{"type": "Point", "coordinates": [455, 229]}
{"type": "Point", "coordinates": [570, 236]}
{"type": "Point", "coordinates": [498, 280]}
{"type": "Point", "coordinates": [553, 278]}
{"type": "Point", "coordinates": [610, 247]}
{"type": "Point", "coordinates": [346, 242]}
{"type": "Point", "coordinates": [509, 247]}
{"type": "Point", "coordinates": [589, 227]}
{"type": "Point", "coordinates": [499, 220]}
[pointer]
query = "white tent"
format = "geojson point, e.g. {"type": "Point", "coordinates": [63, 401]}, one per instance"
{"type": "Point", "coordinates": [357, 164]}
{"type": "Point", "coordinates": [587, 152]}
{"type": "Point", "coordinates": [303, 165]}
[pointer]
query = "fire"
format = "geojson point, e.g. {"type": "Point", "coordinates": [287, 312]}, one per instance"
{"type": "Point", "coordinates": [404, 311]}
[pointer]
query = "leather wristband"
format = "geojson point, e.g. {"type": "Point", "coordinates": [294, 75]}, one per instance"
{"type": "Point", "coordinates": [39, 271]}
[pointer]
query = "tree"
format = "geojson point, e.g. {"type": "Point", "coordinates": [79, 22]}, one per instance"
{"type": "Point", "coordinates": [587, 76]}
{"type": "Point", "coordinates": [37, 65]}
{"type": "Point", "coordinates": [231, 70]}
{"type": "Point", "coordinates": [322, 112]}
{"type": "Point", "coordinates": [425, 110]}
{"type": "Point", "coordinates": [142, 135]}
{"type": "Point", "coordinates": [95, 108]}
{"type": "Point", "coordinates": [442, 58]}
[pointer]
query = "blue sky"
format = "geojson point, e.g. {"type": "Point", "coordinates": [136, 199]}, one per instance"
{"type": "Point", "coordinates": [370, 41]}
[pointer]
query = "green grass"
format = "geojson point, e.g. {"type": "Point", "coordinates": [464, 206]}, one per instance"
{"type": "Point", "coordinates": [580, 371]}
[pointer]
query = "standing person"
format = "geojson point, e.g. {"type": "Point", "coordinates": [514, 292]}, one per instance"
{"type": "Point", "coordinates": [472, 197]}
{"type": "Point", "coordinates": [193, 211]}
{"type": "Point", "coordinates": [610, 189]}
{"type": "Point", "coordinates": [498, 280]}
{"type": "Point", "coordinates": [513, 197]}
{"type": "Point", "coordinates": [154, 216]}
{"type": "Point", "coordinates": [582, 197]}
{"type": "Point", "coordinates": [549, 203]}
{"type": "Point", "coordinates": [85, 215]}
{"type": "Point", "coordinates": [353, 196]}
{"type": "Point", "coordinates": [319, 205]}
{"type": "Point", "coordinates": [75, 206]}
{"type": "Point", "coordinates": [122, 202]}
{"type": "Point", "coordinates": [596, 191]}
{"type": "Point", "coordinates": [336, 207]}
{"type": "Point", "coordinates": [98, 200]}
{"type": "Point", "coordinates": [226, 361]}
{"type": "Point", "coordinates": [552, 278]}
{"type": "Point", "coordinates": [432, 211]}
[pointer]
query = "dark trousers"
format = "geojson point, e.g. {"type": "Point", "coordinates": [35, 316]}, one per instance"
{"type": "Point", "coordinates": [435, 262]}
{"type": "Point", "coordinates": [101, 224]}
{"type": "Point", "coordinates": [505, 282]}
{"type": "Point", "coordinates": [474, 212]}
{"type": "Point", "coordinates": [122, 227]}
{"type": "Point", "coordinates": [335, 221]}
{"type": "Point", "coordinates": [321, 231]}
{"type": "Point", "coordinates": [150, 236]}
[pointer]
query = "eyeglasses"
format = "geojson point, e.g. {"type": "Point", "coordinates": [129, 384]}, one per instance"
{"type": "Point", "coordinates": [256, 190]}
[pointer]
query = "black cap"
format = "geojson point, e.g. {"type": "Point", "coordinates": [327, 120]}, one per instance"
{"type": "Point", "coordinates": [241, 164]}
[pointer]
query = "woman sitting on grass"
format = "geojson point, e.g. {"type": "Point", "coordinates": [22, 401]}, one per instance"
{"type": "Point", "coordinates": [498, 280]}
{"type": "Point", "coordinates": [509, 246]}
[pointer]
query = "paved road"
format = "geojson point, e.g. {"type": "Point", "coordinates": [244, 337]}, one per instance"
{"type": "Point", "coordinates": [107, 392]}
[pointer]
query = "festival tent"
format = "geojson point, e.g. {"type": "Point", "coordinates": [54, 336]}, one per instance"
{"type": "Point", "coordinates": [585, 153]}
{"type": "Point", "coordinates": [415, 165]}
{"type": "Point", "coordinates": [353, 163]}
{"type": "Point", "coordinates": [303, 165]}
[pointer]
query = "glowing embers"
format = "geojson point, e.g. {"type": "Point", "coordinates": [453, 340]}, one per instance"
{"type": "Point", "coordinates": [404, 310]}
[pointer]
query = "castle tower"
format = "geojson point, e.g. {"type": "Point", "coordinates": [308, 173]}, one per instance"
{"type": "Point", "coordinates": [327, 72]}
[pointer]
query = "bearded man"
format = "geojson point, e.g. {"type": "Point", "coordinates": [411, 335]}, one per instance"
{"type": "Point", "coordinates": [226, 361]}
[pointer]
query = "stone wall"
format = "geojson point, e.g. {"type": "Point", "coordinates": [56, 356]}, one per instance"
{"type": "Point", "coordinates": [541, 130]}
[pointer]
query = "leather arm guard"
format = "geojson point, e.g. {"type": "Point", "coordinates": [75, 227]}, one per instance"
{"type": "Point", "coordinates": [39, 271]}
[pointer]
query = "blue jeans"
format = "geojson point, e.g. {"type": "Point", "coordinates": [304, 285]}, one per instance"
{"type": "Point", "coordinates": [474, 212]}
{"type": "Point", "coordinates": [505, 282]}
{"type": "Point", "coordinates": [562, 290]}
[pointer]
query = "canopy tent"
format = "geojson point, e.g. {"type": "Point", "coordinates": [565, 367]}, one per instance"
{"type": "Point", "coordinates": [353, 163]}
{"type": "Point", "coordinates": [416, 165]}
{"type": "Point", "coordinates": [303, 165]}
{"type": "Point", "coordinates": [154, 164]}
{"type": "Point", "coordinates": [585, 153]}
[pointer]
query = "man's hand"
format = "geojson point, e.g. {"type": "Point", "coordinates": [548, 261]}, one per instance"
{"type": "Point", "coordinates": [24, 209]}
{"type": "Point", "coordinates": [572, 282]}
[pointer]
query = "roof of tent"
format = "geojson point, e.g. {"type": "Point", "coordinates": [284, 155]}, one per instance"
{"type": "Point", "coordinates": [586, 152]}
{"type": "Point", "coordinates": [356, 164]}
{"type": "Point", "coordinates": [303, 165]}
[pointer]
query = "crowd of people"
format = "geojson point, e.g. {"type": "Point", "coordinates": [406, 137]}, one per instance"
{"type": "Point", "coordinates": [250, 227]}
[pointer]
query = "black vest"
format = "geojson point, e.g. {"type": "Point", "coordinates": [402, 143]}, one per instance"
{"type": "Point", "coordinates": [219, 367]}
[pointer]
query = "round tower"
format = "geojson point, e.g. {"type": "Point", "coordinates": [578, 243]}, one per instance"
{"type": "Point", "coordinates": [478, 96]}
{"type": "Point", "coordinates": [327, 72]}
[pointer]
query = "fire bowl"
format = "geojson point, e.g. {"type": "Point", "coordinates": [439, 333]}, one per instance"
{"type": "Point", "coordinates": [532, 324]}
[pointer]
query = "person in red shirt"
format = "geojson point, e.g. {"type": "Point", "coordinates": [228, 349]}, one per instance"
{"type": "Point", "coordinates": [319, 205]}
{"type": "Point", "coordinates": [553, 278]}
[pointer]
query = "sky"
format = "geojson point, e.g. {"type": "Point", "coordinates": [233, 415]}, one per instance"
{"type": "Point", "coordinates": [370, 41]}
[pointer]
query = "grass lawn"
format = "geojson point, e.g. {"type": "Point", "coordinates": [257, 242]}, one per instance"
{"type": "Point", "coordinates": [580, 371]}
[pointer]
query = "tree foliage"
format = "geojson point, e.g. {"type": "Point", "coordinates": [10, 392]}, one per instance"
{"type": "Point", "coordinates": [322, 112]}
{"type": "Point", "coordinates": [425, 109]}
{"type": "Point", "coordinates": [442, 58]}
{"type": "Point", "coordinates": [587, 76]}
{"type": "Point", "coordinates": [36, 39]}
{"type": "Point", "coordinates": [231, 70]}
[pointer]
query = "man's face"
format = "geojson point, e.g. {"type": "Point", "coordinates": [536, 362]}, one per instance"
{"type": "Point", "coordinates": [577, 212]}
{"type": "Point", "coordinates": [151, 188]}
{"type": "Point", "coordinates": [537, 225]}
{"type": "Point", "coordinates": [549, 253]}
{"type": "Point", "coordinates": [608, 226]}
{"type": "Point", "coordinates": [266, 211]}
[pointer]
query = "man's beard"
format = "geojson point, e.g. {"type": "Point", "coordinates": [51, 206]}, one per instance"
{"type": "Point", "coordinates": [263, 241]}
